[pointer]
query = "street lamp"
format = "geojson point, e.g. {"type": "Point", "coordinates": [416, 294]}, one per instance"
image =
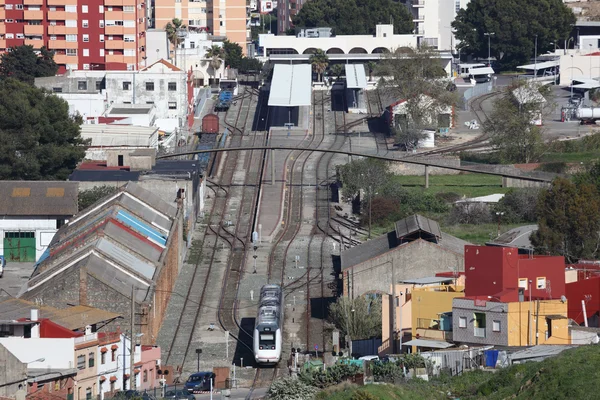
{"type": "Point", "coordinates": [571, 78]}
{"type": "Point", "coordinates": [590, 56]}
{"type": "Point", "coordinates": [489, 35]}
{"type": "Point", "coordinates": [198, 352]}
{"type": "Point", "coordinates": [535, 58]}
{"type": "Point", "coordinates": [499, 214]}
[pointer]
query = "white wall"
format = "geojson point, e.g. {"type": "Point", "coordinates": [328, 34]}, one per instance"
{"type": "Point", "coordinates": [156, 39]}
{"type": "Point", "coordinates": [89, 105]}
{"type": "Point", "coordinates": [438, 16]}
{"type": "Point", "coordinates": [57, 353]}
{"type": "Point", "coordinates": [577, 65]}
{"type": "Point", "coordinates": [115, 368]}
{"type": "Point", "coordinates": [44, 231]}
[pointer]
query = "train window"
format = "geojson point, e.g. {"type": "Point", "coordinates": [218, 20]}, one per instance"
{"type": "Point", "coordinates": [266, 336]}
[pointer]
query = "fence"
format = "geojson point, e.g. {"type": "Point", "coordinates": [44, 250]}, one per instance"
{"type": "Point", "coordinates": [475, 91]}
{"type": "Point", "coordinates": [367, 347]}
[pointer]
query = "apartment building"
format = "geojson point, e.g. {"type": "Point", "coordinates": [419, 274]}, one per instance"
{"type": "Point", "coordinates": [286, 10]}
{"type": "Point", "coordinates": [84, 34]}
{"type": "Point", "coordinates": [226, 18]}
{"type": "Point", "coordinates": [433, 21]}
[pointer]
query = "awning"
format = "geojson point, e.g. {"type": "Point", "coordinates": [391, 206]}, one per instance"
{"type": "Point", "coordinates": [355, 76]}
{"type": "Point", "coordinates": [541, 65]}
{"type": "Point", "coordinates": [114, 347]}
{"type": "Point", "coordinates": [291, 85]}
{"type": "Point", "coordinates": [434, 344]}
{"type": "Point", "coordinates": [103, 350]}
{"type": "Point", "coordinates": [103, 378]}
{"type": "Point", "coordinates": [113, 378]}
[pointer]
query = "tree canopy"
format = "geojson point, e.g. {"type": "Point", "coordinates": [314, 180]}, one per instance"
{"type": "Point", "coordinates": [515, 24]}
{"type": "Point", "coordinates": [233, 54]}
{"type": "Point", "coordinates": [354, 17]}
{"type": "Point", "coordinates": [23, 64]}
{"type": "Point", "coordinates": [38, 137]}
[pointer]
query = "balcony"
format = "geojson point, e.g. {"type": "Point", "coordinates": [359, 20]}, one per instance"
{"type": "Point", "coordinates": [59, 2]}
{"type": "Point", "coordinates": [419, 18]}
{"type": "Point", "coordinates": [65, 59]}
{"type": "Point", "coordinates": [32, 2]}
{"type": "Point", "coordinates": [62, 30]}
{"type": "Point", "coordinates": [30, 15]}
{"type": "Point", "coordinates": [2, 29]}
{"type": "Point", "coordinates": [61, 44]}
{"type": "Point", "coordinates": [36, 43]}
{"type": "Point", "coordinates": [115, 15]}
{"type": "Point", "coordinates": [86, 338]}
{"type": "Point", "coordinates": [58, 16]}
{"type": "Point", "coordinates": [114, 45]}
{"type": "Point", "coordinates": [434, 334]}
{"type": "Point", "coordinates": [114, 58]}
{"type": "Point", "coordinates": [37, 30]}
{"type": "Point", "coordinates": [479, 332]}
{"type": "Point", "coordinates": [113, 30]}
{"type": "Point", "coordinates": [119, 3]}
{"type": "Point", "coordinates": [418, 3]}
{"type": "Point", "coordinates": [2, 44]}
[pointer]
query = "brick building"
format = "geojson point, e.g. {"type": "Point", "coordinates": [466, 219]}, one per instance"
{"type": "Point", "coordinates": [128, 241]}
{"type": "Point", "coordinates": [95, 34]}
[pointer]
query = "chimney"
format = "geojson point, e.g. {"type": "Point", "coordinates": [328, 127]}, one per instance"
{"type": "Point", "coordinates": [35, 329]}
{"type": "Point", "coordinates": [88, 330]}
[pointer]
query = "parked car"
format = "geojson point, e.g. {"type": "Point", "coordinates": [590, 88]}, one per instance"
{"type": "Point", "coordinates": [2, 265]}
{"type": "Point", "coordinates": [200, 382]}
{"type": "Point", "coordinates": [179, 395]}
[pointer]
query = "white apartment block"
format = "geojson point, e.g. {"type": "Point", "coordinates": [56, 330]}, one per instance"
{"type": "Point", "coordinates": [433, 21]}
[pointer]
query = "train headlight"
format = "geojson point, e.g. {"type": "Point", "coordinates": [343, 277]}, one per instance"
{"type": "Point", "coordinates": [260, 347]}
{"type": "Point", "coordinates": [272, 347]}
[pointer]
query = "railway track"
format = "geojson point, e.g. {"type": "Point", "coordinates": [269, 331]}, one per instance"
{"type": "Point", "coordinates": [203, 271]}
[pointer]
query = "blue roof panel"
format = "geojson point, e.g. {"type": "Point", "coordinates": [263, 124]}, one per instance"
{"type": "Point", "coordinates": [141, 227]}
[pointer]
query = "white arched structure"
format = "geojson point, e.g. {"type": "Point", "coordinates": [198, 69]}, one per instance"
{"type": "Point", "coordinates": [342, 44]}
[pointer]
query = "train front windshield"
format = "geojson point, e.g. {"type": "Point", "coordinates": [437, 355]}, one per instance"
{"type": "Point", "coordinates": [267, 340]}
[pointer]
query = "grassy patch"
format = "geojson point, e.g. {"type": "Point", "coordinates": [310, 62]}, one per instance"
{"type": "Point", "coordinates": [571, 157]}
{"type": "Point", "coordinates": [412, 391]}
{"type": "Point", "coordinates": [469, 185]}
{"type": "Point", "coordinates": [477, 234]}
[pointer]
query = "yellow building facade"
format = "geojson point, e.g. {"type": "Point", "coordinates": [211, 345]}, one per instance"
{"type": "Point", "coordinates": [538, 322]}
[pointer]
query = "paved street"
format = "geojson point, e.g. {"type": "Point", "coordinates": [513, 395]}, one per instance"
{"type": "Point", "coordinates": [15, 276]}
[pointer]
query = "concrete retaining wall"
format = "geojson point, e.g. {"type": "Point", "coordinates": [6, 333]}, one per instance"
{"type": "Point", "coordinates": [399, 168]}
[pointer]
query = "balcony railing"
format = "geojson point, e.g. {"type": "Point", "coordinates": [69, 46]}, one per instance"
{"type": "Point", "coordinates": [479, 332]}
{"type": "Point", "coordinates": [426, 323]}
{"type": "Point", "coordinates": [86, 338]}
{"type": "Point", "coordinates": [418, 3]}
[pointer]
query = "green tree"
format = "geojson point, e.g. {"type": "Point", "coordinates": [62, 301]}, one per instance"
{"type": "Point", "coordinates": [215, 54]}
{"type": "Point", "coordinates": [515, 24]}
{"type": "Point", "coordinates": [370, 67]}
{"type": "Point", "coordinates": [88, 197]}
{"type": "Point", "coordinates": [22, 63]}
{"type": "Point", "coordinates": [38, 137]}
{"type": "Point", "coordinates": [509, 125]}
{"type": "Point", "coordinates": [414, 77]}
{"type": "Point", "coordinates": [568, 221]}
{"type": "Point", "coordinates": [368, 175]}
{"type": "Point", "coordinates": [233, 54]}
{"type": "Point", "coordinates": [359, 318]}
{"type": "Point", "coordinates": [173, 29]}
{"type": "Point", "coordinates": [250, 65]}
{"type": "Point", "coordinates": [354, 17]}
{"type": "Point", "coordinates": [319, 62]}
{"type": "Point", "coordinates": [337, 70]}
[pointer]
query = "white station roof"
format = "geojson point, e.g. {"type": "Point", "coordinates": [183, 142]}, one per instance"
{"type": "Point", "coordinates": [582, 83]}
{"type": "Point", "coordinates": [291, 85]}
{"type": "Point", "coordinates": [541, 65]}
{"type": "Point", "coordinates": [482, 71]}
{"type": "Point", "coordinates": [355, 76]}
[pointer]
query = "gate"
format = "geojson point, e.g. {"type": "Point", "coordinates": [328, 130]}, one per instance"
{"type": "Point", "coordinates": [19, 246]}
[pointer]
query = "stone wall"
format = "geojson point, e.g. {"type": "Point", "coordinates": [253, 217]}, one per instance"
{"type": "Point", "coordinates": [400, 168]}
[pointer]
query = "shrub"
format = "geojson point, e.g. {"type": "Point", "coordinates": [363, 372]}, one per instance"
{"type": "Point", "coordinates": [362, 395]}
{"type": "Point", "coordinates": [470, 213]}
{"type": "Point", "coordinates": [556, 167]}
{"type": "Point", "coordinates": [331, 376]}
{"type": "Point", "coordinates": [291, 389]}
{"type": "Point", "coordinates": [519, 205]}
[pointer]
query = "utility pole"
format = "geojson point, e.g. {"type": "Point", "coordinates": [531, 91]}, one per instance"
{"type": "Point", "coordinates": [530, 327]}
{"type": "Point", "coordinates": [132, 343]}
{"type": "Point", "coordinates": [393, 308]}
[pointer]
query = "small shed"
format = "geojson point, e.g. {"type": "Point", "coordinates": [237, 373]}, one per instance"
{"type": "Point", "coordinates": [438, 117]}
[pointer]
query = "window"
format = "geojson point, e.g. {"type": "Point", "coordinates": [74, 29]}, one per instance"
{"type": "Point", "coordinates": [86, 52]}
{"type": "Point", "coordinates": [172, 86]}
{"type": "Point", "coordinates": [172, 105]}
{"type": "Point", "coordinates": [52, 23]}
{"type": "Point", "coordinates": [57, 90]}
{"type": "Point", "coordinates": [20, 7]}
{"type": "Point", "coordinates": [523, 283]}
{"type": "Point", "coordinates": [86, 67]}
{"type": "Point", "coordinates": [71, 23]}
{"type": "Point", "coordinates": [10, 21]}
{"type": "Point", "coordinates": [84, 9]}
{"type": "Point", "coordinates": [128, 9]}
{"type": "Point", "coordinates": [129, 38]}
{"type": "Point", "coordinates": [549, 328]}
{"type": "Point", "coordinates": [101, 52]}
{"type": "Point", "coordinates": [88, 393]}
{"type": "Point", "coordinates": [128, 24]}
{"type": "Point", "coordinates": [540, 282]}
{"type": "Point", "coordinates": [479, 324]}
{"type": "Point", "coordinates": [102, 358]}
{"type": "Point", "coordinates": [101, 9]}
{"type": "Point", "coordinates": [98, 85]}
{"type": "Point", "coordinates": [113, 354]}
{"type": "Point", "coordinates": [126, 85]}
{"type": "Point", "coordinates": [72, 9]}
{"type": "Point", "coordinates": [101, 38]}
{"type": "Point", "coordinates": [72, 52]}
{"type": "Point", "coordinates": [10, 36]}
{"type": "Point", "coordinates": [91, 360]}
{"type": "Point", "coordinates": [81, 361]}
{"type": "Point", "coordinates": [150, 86]}
{"type": "Point", "coordinates": [8, 6]}
{"type": "Point", "coordinates": [457, 6]}
{"type": "Point", "coordinates": [112, 386]}
{"type": "Point", "coordinates": [71, 38]}
{"type": "Point", "coordinates": [101, 23]}
{"type": "Point", "coordinates": [82, 85]}
{"type": "Point", "coordinates": [85, 23]}
{"type": "Point", "coordinates": [462, 322]}
{"type": "Point", "coordinates": [145, 375]}
{"type": "Point", "coordinates": [86, 38]}
{"type": "Point", "coordinates": [496, 326]}
{"type": "Point", "coordinates": [129, 52]}
{"type": "Point", "coordinates": [20, 36]}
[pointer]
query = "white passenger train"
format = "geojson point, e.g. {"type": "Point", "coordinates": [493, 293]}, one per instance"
{"type": "Point", "coordinates": [268, 327]}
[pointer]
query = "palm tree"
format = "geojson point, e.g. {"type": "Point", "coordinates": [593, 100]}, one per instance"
{"type": "Point", "coordinates": [370, 67]}
{"type": "Point", "coordinates": [216, 55]}
{"type": "Point", "coordinates": [173, 28]}
{"type": "Point", "coordinates": [319, 62]}
{"type": "Point", "coordinates": [337, 70]}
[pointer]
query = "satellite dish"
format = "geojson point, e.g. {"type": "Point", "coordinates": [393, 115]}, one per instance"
{"type": "Point", "coordinates": [563, 299]}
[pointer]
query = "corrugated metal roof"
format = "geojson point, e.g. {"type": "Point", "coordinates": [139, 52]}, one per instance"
{"type": "Point", "coordinates": [368, 250]}
{"type": "Point", "coordinates": [355, 76]}
{"type": "Point", "coordinates": [142, 228]}
{"type": "Point", "coordinates": [71, 318]}
{"type": "Point", "coordinates": [540, 65]}
{"type": "Point", "coordinates": [151, 199]}
{"type": "Point", "coordinates": [150, 215]}
{"type": "Point", "coordinates": [517, 237]}
{"type": "Point", "coordinates": [104, 135]}
{"type": "Point", "coordinates": [116, 278]}
{"type": "Point", "coordinates": [126, 258]}
{"type": "Point", "coordinates": [539, 352]}
{"type": "Point", "coordinates": [415, 223]}
{"type": "Point", "coordinates": [146, 249]}
{"type": "Point", "coordinates": [38, 198]}
{"type": "Point", "coordinates": [434, 344]}
{"type": "Point", "coordinates": [291, 85]}
{"type": "Point", "coordinates": [428, 280]}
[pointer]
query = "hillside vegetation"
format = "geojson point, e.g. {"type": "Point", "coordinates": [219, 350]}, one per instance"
{"type": "Point", "coordinates": [571, 375]}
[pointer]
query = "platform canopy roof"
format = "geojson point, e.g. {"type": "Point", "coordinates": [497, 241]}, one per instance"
{"type": "Point", "coordinates": [582, 83]}
{"type": "Point", "coordinates": [482, 71]}
{"type": "Point", "coordinates": [291, 85]}
{"type": "Point", "coordinates": [355, 76]}
{"type": "Point", "coordinates": [541, 65]}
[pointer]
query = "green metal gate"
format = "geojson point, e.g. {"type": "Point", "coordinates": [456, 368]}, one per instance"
{"type": "Point", "coordinates": [19, 246]}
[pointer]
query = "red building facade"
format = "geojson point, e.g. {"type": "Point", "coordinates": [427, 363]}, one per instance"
{"type": "Point", "coordinates": [499, 273]}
